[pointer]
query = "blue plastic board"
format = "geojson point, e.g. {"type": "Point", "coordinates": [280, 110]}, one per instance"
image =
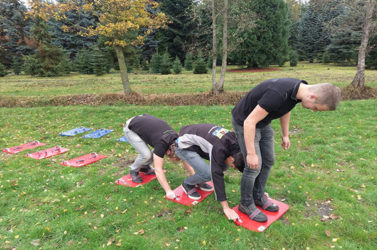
{"type": "Point", "coordinates": [98, 133]}
{"type": "Point", "coordinates": [75, 131]}
{"type": "Point", "coordinates": [122, 139]}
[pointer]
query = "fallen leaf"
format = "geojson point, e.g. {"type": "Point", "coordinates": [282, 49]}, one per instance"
{"type": "Point", "coordinates": [110, 241]}
{"type": "Point", "coordinates": [35, 242]}
{"type": "Point", "coordinates": [188, 211]}
{"type": "Point", "coordinates": [328, 233]}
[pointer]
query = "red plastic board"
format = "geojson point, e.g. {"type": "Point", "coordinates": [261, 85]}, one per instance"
{"type": "Point", "coordinates": [247, 223]}
{"type": "Point", "coordinates": [127, 180]}
{"type": "Point", "coordinates": [183, 199]}
{"type": "Point", "coordinates": [83, 160]}
{"type": "Point", "coordinates": [30, 145]}
{"type": "Point", "coordinates": [47, 153]}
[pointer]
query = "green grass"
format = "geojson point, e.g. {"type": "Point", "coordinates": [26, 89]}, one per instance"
{"type": "Point", "coordinates": [330, 170]}
{"type": "Point", "coordinates": [164, 84]}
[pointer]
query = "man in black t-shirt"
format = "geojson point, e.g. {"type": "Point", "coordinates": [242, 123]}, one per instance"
{"type": "Point", "coordinates": [144, 130]}
{"type": "Point", "coordinates": [220, 147]}
{"type": "Point", "coordinates": [252, 116]}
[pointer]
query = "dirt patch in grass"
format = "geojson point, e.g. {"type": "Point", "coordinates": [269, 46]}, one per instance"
{"type": "Point", "coordinates": [352, 93]}
{"type": "Point", "coordinates": [226, 98]}
{"type": "Point", "coordinates": [203, 99]}
{"type": "Point", "coordinates": [251, 70]}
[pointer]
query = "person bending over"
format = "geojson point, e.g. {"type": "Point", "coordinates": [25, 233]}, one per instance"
{"type": "Point", "coordinates": [220, 147]}
{"type": "Point", "coordinates": [144, 130]}
{"type": "Point", "coordinates": [251, 119]}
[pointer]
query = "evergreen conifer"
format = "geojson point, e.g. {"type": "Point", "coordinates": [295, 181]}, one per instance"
{"type": "Point", "coordinates": [17, 65]}
{"type": "Point", "coordinates": [155, 63]}
{"type": "Point", "coordinates": [177, 66]}
{"type": "Point", "coordinates": [200, 66]}
{"type": "Point", "coordinates": [165, 65]}
{"type": "Point", "coordinates": [188, 62]}
{"type": "Point", "coordinates": [3, 70]}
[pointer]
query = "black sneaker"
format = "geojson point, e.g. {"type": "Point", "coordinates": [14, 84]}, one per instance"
{"type": "Point", "coordinates": [267, 204]}
{"type": "Point", "coordinates": [205, 187]}
{"type": "Point", "coordinates": [148, 170]}
{"type": "Point", "coordinates": [253, 213]}
{"type": "Point", "coordinates": [135, 176]}
{"type": "Point", "coordinates": [191, 191]}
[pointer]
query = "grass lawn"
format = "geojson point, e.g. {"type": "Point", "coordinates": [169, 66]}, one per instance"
{"type": "Point", "coordinates": [163, 84]}
{"type": "Point", "coordinates": [328, 177]}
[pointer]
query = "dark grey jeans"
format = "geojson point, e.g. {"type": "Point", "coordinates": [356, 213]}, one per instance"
{"type": "Point", "coordinates": [201, 167]}
{"type": "Point", "coordinates": [253, 181]}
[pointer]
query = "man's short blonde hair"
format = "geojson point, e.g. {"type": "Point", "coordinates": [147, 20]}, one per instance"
{"type": "Point", "coordinates": [327, 94]}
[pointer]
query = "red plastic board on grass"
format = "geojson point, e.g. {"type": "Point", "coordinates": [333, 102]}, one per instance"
{"type": "Point", "coordinates": [83, 160]}
{"type": "Point", "coordinates": [258, 226]}
{"type": "Point", "coordinates": [183, 199]}
{"type": "Point", "coordinates": [127, 180]}
{"type": "Point", "coordinates": [47, 153]}
{"type": "Point", "coordinates": [17, 149]}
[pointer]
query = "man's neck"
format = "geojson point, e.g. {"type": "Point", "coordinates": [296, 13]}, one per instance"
{"type": "Point", "coordinates": [302, 91]}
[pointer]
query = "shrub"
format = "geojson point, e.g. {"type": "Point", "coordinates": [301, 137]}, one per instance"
{"type": "Point", "coordinates": [209, 62]}
{"type": "Point", "coordinates": [293, 59]}
{"type": "Point", "coordinates": [155, 63]}
{"type": "Point", "coordinates": [188, 62]}
{"type": "Point", "coordinates": [177, 66]}
{"type": "Point", "coordinates": [64, 66]}
{"type": "Point", "coordinates": [200, 66]}
{"type": "Point", "coordinates": [31, 65]}
{"type": "Point", "coordinates": [49, 58]}
{"type": "Point", "coordinates": [17, 65]}
{"type": "Point", "coordinates": [3, 70]}
{"type": "Point", "coordinates": [98, 62]}
{"type": "Point", "coordinates": [145, 65]}
{"type": "Point", "coordinates": [165, 65]}
{"type": "Point", "coordinates": [82, 62]}
{"type": "Point", "coordinates": [325, 57]}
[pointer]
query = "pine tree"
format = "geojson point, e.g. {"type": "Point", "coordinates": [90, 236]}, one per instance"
{"type": "Point", "coordinates": [178, 33]}
{"type": "Point", "coordinates": [3, 70]}
{"type": "Point", "coordinates": [188, 61]}
{"type": "Point", "coordinates": [14, 28]}
{"type": "Point", "coordinates": [293, 58]}
{"type": "Point", "coordinates": [200, 66]}
{"type": "Point", "coordinates": [98, 62]}
{"type": "Point", "coordinates": [267, 42]}
{"type": "Point", "coordinates": [155, 63]}
{"type": "Point", "coordinates": [177, 66]}
{"type": "Point", "coordinates": [17, 65]}
{"type": "Point", "coordinates": [31, 65]}
{"type": "Point", "coordinates": [82, 62]}
{"type": "Point", "coordinates": [68, 39]}
{"type": "Point", "coordinates": [165, 65]}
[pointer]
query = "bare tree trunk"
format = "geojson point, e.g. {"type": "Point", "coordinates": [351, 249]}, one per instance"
{"type": "Point", "coordinates": [359, 79]}
{"type": "Point", "coordinates": [214, 47]}
{"type": "Point", "coordinates": [218, 87]}
{"type": "Point", "coordinates": [123, 69]}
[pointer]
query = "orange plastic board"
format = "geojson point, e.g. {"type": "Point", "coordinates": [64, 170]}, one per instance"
{"type": "Point", "coordinates": [183, 199]}
{"type": "Point", "coordinates": [127, 180]}
{"type": "Point", "coordinates": [17, 149]}
{"type": "Point", "coordinates": [47, 153]}
{"type": "Point", "coordinates": [83, 160]}
{"type": "Point", "coordinates": [249, 224]}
